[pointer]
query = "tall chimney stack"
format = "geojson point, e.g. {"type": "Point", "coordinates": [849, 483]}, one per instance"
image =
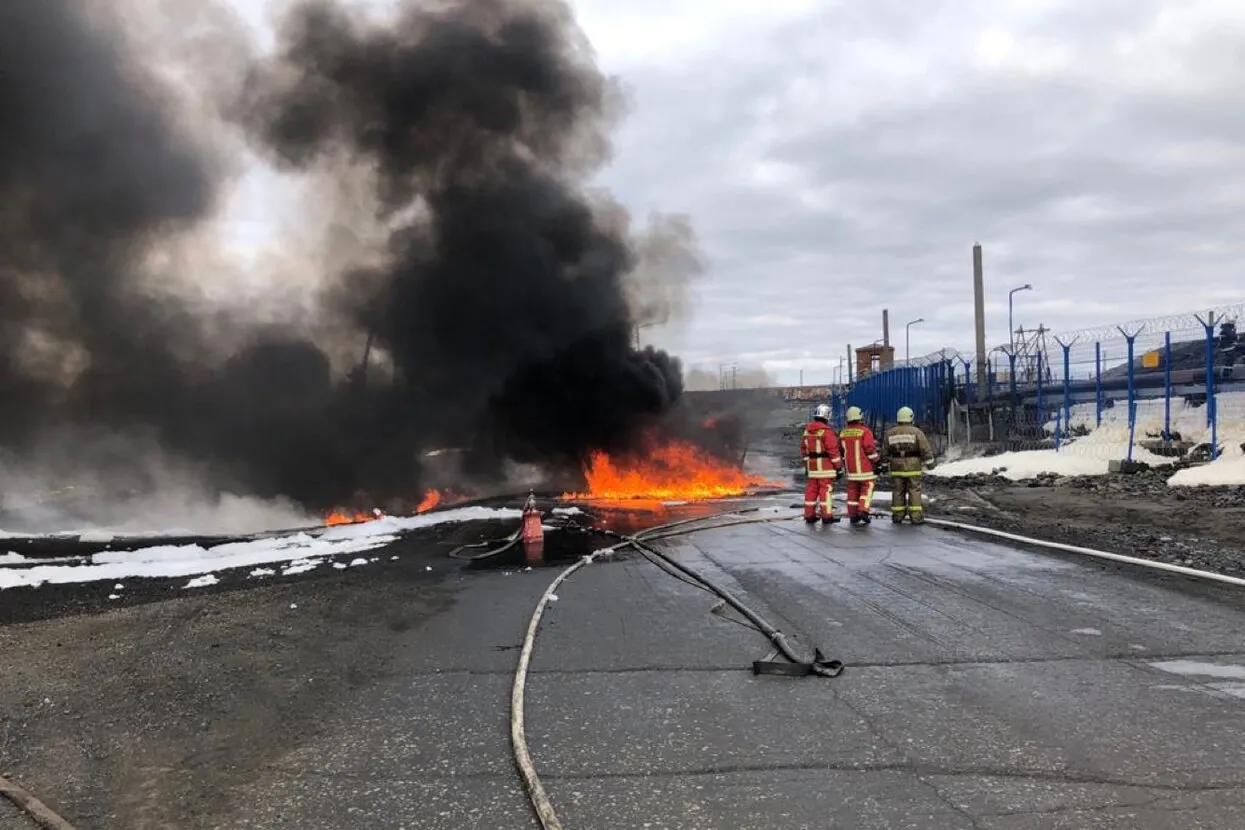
{"type": "Point", "coordinates": [979, 312]}
{"type": "Point", "coordinates": [886, 327]}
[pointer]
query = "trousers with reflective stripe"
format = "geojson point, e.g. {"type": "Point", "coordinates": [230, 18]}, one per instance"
{"type": "Point", "coordinates": [906, 497]}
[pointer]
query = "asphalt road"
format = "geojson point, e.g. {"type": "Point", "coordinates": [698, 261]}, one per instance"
{"type": "Point", "coordinates": [986, 687]}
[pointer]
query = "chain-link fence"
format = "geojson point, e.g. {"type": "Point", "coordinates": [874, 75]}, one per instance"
{"type": "Point", "coordinates": [1146, 390]}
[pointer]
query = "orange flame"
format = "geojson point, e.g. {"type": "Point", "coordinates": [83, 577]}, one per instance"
{"type": "Point", "coordinates": [675, 470]}
{"type": "Point", "coordinates": [343, 517]}
{"type": "Point", "coordinates": [430, 500]}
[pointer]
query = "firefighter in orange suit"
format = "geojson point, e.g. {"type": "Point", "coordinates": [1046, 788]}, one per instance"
{"type": "Point", "coordinates": [860, 453]}
{"type": "Point", "coordinates": [820, 450]}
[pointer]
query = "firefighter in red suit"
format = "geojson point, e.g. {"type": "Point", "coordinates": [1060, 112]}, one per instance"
{"type": "Point", "coordinates": [819, 448]}
{"type": "Point", "coordinates": [860, 453]}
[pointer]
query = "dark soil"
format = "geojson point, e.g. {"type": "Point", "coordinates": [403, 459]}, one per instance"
{"type": "Point", "coordinates": [1135, 515]}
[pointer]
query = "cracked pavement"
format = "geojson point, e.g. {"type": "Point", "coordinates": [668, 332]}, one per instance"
{"type": "Point", "coordinates": [986, 687]}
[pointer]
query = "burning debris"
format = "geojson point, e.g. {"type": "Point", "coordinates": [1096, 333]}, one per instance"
{"type": "Point", "coordinates": [431, 500]}
{"type": "Point", "coordinates": [452, 146]}
{"type": "Point", "coordinates": [671, 470]}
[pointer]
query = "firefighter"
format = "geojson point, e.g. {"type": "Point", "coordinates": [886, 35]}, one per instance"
{"type": "Point", "coordinates": [820, 450]}
{"type": "Point", "coordinates": [905, 449]}
{"type": "Point", "coordinates": [860, 453]}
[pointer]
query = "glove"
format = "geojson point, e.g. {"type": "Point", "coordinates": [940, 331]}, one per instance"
{"type": "Point", "coordinates": [839, 473]}
{"type": "Point", "coordinates": [931, 464]}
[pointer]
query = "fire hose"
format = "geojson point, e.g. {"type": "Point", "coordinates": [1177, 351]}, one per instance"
{"type": "Point", "coordinates": [819, 666]}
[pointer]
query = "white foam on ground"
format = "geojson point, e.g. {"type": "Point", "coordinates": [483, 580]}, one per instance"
{"type": "Point", "coordinates": [300, 550]}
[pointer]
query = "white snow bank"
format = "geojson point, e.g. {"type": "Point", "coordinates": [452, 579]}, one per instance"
{"type": "Point", "coordinates": [1225, 471]}
{"type": "Point", "coordinates": [300, 550]}
{"type": "Point", "coordinates": [1027, 464]}
{"type": "Point", "coordinates": [1089, 455]}
{"type": "Point", "coordinates": [1189, 421]}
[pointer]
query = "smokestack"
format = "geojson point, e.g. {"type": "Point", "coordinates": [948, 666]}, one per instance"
{"type": "Point", "coordinates": [979, 311]}
{"type": "Point", "coordinates": [851, 364]}
{"type": "Point", "coordinates": [886, 327]}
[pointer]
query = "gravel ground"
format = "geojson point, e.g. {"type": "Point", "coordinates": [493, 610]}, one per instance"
{"type": "Point", "coordinates": [1136, 515]}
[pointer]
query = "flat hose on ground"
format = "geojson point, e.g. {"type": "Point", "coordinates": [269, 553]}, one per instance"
{"type": "Point", "coordinates": [39, 812]}
{"type": "Point", "coordinates": [1096, 554]}
{"type": "Point", "coordinates": [518, 734]}
{"type": "Point", "coordinates": [819, 664]}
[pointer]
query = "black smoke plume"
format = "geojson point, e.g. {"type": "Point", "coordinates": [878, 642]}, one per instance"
{"type": "Point", "coordinates": [495, 317]}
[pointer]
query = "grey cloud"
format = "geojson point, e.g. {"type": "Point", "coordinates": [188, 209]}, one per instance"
{"type": "Point", "coordinates": [1116, 199]}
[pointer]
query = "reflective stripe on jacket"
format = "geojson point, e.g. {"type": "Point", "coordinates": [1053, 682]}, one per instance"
{"type": "Point", "coordinates": [905, 448]}
{"type": "Point", "coordinates": [820, 450]}
{"type": "Point", "coordinates": [860, 452]}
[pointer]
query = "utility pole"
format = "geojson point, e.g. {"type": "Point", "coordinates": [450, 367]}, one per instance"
{"type": "Point", "coordinates": [979, 313]}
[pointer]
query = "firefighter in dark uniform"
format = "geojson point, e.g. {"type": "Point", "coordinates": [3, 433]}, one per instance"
{"type": "Point", "coordinates": [905, 449]}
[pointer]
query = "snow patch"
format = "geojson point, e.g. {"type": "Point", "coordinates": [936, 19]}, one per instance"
{"type": "Point", "coordinates": [1227, 678]}
{"type": "Point", "coordinates": [302, 552]}
{"type": "Point", "coordinates": [1091, 632]}
{"type": "Point", "coordinates": [1091, 454]}
{"type": "Point", "coordinates": [1225, 471]}
{"type": "Point", "coordinates": [203, 581]}
{"type": "Point", "coordinates": [1194, 668]}
{"type": "Point", "coordinates": [1025, 464]}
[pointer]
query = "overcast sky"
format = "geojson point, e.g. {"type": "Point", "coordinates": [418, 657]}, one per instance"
{"type": "Point", "coordinates": [841, 157]}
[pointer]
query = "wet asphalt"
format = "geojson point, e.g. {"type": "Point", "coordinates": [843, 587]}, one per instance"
{"type": "Point", "coordinates": [986, 687]}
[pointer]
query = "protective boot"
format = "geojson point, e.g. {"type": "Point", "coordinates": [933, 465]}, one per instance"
{"type": "Point", "coordinates": [865, 518]}
{"type": "Point", "coordinates": [829, 520]}
{"type": "Point", "coordinates": [812, 520]}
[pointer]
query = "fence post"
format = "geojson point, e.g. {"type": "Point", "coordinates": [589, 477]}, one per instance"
{"type": "Point", "coordinates": [1041, 398]}
{"type": "Point", "coordinates": [970, 392]}
{"type": "Point", "coordinates": [1132, 390]}
{"type": "Point", "coordinates": [1067, 388]}
{"type": "Point", "coordinates": [1098, 384]}
{"type": "Point", "coordinates": [1167, 387]}
{"type": "Point", "coordinates": [1212, 419]}
{"type": "Point", "coordinates": [1011, 368]}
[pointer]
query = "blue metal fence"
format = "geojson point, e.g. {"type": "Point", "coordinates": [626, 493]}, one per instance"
{"type": "Point", "coordinates": [1193, 359]}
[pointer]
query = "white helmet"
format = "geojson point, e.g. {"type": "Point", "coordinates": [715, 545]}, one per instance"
{"type": "Point", "coordinates": [822, 411]}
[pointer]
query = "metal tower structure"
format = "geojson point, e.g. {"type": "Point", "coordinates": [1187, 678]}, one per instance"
{"type": "Point", "coordinates": [1030, 346]}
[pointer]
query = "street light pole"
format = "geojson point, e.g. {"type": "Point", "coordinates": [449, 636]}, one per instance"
{"type": "Point", "coordinates": [1011, 328]}
{"type": "Point", "coordinates": [907, 341]}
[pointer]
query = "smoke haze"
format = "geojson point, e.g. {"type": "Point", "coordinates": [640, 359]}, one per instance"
{"type": "Point", "coordinates": [444, 158]}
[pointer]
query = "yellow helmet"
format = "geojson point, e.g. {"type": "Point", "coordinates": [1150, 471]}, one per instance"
{"type": "Point", "coordinates": [854, 414]}
{"type": "Point", "coordinates": [904, 416]}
